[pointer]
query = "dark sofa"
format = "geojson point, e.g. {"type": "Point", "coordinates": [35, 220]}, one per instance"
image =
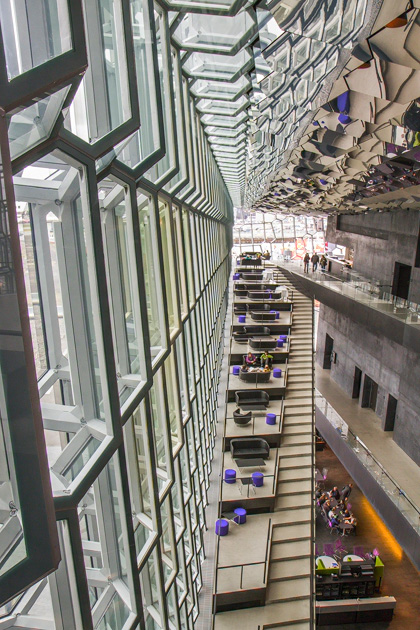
{"type": "Point", "coordinates": [268, 343]}
{"type": "Point", "coordinates": [248, 331]}
{"type": "Point", "coordinates": [255, 276]}
{"type": "Point", "coordinates": [250, 399]}
{"type": "Point", "coordinates": [263, 316]}
{"type": "Point", "coordinates": [249, 447]}
{"type": "Point", "coordinates": [254, 377]}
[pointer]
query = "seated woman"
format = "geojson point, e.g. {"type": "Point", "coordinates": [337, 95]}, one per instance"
{"type": "Point", "coordinates": [244, 368]}
{"type": "Point", "coordinates": [351, 520]}
{"type": "Point", "coordinates": [266, 368]}
{"type": "Point", "coordinates": [250, 359]}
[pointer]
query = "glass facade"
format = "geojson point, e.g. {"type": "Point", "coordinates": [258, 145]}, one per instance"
{"type": "Point", "coordinates": [114, 263]}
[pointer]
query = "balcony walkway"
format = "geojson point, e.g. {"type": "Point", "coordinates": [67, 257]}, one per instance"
{"type": "Point", "coordinates": [367, 426]}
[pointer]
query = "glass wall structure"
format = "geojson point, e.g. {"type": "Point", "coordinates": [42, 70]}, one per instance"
{"type": "Point", "coordinates": [115, 233]}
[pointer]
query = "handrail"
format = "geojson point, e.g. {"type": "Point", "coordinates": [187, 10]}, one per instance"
{"type": "Point", "coordinates": [341, 424]}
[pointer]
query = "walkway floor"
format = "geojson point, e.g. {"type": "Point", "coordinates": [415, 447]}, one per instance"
{"type": "Point", "coordinates": [367, 426]}
{"type": "Point", "coordinates": [401, 578]}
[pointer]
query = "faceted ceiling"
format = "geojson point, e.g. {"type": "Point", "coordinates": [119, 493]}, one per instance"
{"type": "Point", "coordinates": [309, 105]}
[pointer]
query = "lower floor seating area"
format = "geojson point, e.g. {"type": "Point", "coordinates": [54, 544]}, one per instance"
{"type": "Point", "coordinates": [371, 541]}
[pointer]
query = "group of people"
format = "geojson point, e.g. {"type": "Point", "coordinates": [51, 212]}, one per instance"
{"type": "Point", "coordinates": [335, 509]}
{"type": "Point", "coordinates": [314, 259]}
{"type": "Point", "coordinates": [262, 362]}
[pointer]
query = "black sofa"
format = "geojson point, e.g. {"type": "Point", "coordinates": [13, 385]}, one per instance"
{"type": "Point", "coordinates": [253, 262]}
{"type": "Point", "coordinates": [263, 316]}
{"type": "Point", "coordinates": [258, 295]}
{"type": "Point", "coordinates": [254, 377]}
{"type": "Point", "coordinates": [255, 276]}
{"type": "Point", "coordinates": [239, 309]}
{"type": "Point", "coordinates": [248, 331]}
{"type": "Point", "coordinates": [259, 307]}
{"type": "Point", "coordinates": [268, 343]}
{"type": "Point", "coordinates": [249, 399]}
{"type": "Point", "coordinates": [249, 447]}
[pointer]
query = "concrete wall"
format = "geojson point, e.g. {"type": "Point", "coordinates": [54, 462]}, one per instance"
{"type": "Point", "coordinates": [395, 367]}
{"type": "Point", "coordinates": [379, 240]}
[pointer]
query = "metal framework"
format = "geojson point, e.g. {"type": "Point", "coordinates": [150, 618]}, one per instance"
{"type": "Point", "coordinates": [115, 232]}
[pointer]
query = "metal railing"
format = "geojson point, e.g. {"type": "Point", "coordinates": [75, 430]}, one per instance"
{"type": "Point", "coordinates": [398, 496]}
{"type": "Point", "coordinates": [364, 290]}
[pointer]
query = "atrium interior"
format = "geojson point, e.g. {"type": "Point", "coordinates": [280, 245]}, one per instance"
{"type": "Point", "coordinates": [209, 314]}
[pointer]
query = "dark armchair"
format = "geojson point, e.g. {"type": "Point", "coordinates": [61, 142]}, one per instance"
{"type": "Point", "coordinates": [249, 447]}
{"type": "Point", "coordinates": [242, 419]}
{"type": "Point", "coordinates": [249, 399]}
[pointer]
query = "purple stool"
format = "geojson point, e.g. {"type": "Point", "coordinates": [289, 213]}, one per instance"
{"type": "Point", "coordinates": [230, 475]}
{"type": "Point", "coordinates": [222, 527]}
{"type": "Point", "coordinates": [242, 319]}
{"type": "Point", "coordinates": [236, 369]}
{"type": "Point", "coordinates": [240, 517]}
{"type": "Point", "coordinates": [277, 314]}
{"type": "Point", "coordinates": [283, 337]}
{"type": "Point", "coordinates": [257, 479]}
{"type": "Point", "coordinates": [277, 373]}
{"type": "Point", "coordinates": [270, 418]}
{"type": "Point", "coordinates": [280, 343]}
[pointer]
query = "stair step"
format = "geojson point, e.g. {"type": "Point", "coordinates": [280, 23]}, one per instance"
{"type": "Point", "coordinates": [294, 474]}
{"type": "Point", "coordinates": [300, 515]}
{"type": "Point", "coordinates": [297, 430]}
{"type": "Point", "coordinates": [290, 550]}
{"type": "Point", "coordinates": [292, 421]}
{"type": "Point", "coordinates": [297, 440]}
{"type": "Point", "coordinates": [295, 451]}
{"type": "Point", "coordinates": [292, 501]}
{"type": "Point", "coordinates": [298, 461]}
{"type": "Point", "coordinates": [299, 588]}
{"type": "Point", "coordinates": [287, 488]}
{"type": "Point", "coordinates": [289, 569]}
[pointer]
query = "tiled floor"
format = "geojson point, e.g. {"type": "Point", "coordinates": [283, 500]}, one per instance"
{"type": "Point", "coordinates": [401, 580]}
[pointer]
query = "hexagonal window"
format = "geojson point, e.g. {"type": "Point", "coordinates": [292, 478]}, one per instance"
{"type": "Point", "coordinates": [214, 33]}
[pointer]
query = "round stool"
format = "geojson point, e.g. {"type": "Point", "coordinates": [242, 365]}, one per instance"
{"type": "Point", "coordinates": [277, 373]}
{"type": "Point", "coordinates": [277, 314]}
{"type": "Point", "coordinates": [257, 479]}
{"type": "Point", "coordinates": [283, 337]}
{"type": "Point", "coordinates": [280, 343]}
{"type": "Point", "coordinates": [222, 527]}
{"type": "Point", "coordinates": [230, 475]}
{"type": "Point", "coordinates": [236, 369]}
{"type": "Point", "coordinates": [242, 319]}
{"type": "Point", "coordinates": [270, 418]}
{"type": "Point", "coordinates": [240, 517]}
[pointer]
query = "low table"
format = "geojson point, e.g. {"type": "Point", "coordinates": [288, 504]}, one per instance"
{"type": "Point", "coordinates": [256, 462]}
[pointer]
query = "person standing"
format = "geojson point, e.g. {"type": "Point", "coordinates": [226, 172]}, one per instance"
{"type": "Point", "coordinates": [314, 261]}
{"type": "Point", "coordinates": [346, 491]}
{"type": "Point", "coordinates": [306, 263]}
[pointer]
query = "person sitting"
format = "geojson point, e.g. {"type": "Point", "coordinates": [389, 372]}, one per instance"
{"type": "Point", "coordinates": [266, 368]}
{"type": "Point", "coordinates": [322, 499]}
{"type": "Point", "coordinates": [326, 507]}
{"type": "Point", "coordinates": [266, 359]}
{"type": "Point", "coordinates": [244, 368]}
{"type": "Point", "coordinates": [334, 493]}
{"type": "Point", "coordinates": [250, 359]}
{"type": "Point", "coordinates": [334, 522]}
{"type": "Point", "coordinates": [332, 513]}
{"type": "Point", "coordinates": [351, 520]}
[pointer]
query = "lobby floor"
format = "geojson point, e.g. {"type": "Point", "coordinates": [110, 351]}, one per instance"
{"type": "Point", "coordinates": [401, 579]}
{"type": "Point", "coordinates": [367, 426]}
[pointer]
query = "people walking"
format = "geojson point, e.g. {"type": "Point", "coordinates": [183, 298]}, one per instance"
{"type": "Point", "coordinates": [314, 261]}
{"type": "Point", "coordinates": [306, 263]}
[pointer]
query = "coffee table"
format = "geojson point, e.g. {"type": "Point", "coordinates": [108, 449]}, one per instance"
{"type": "Point", "coordinates": [256, 462]}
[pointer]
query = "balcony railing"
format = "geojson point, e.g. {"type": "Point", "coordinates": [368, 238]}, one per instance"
{"type": "Point", "coordinates": [397, 495]}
